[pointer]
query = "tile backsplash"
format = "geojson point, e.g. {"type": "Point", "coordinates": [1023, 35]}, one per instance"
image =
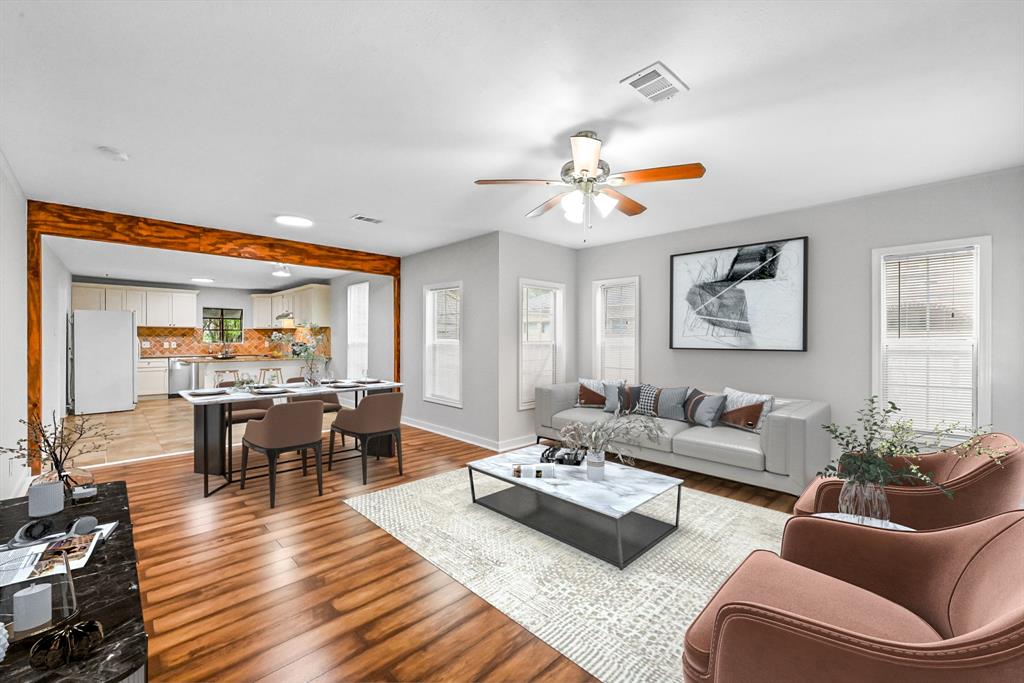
{"type": "Point", "coordinates": [189, 342]}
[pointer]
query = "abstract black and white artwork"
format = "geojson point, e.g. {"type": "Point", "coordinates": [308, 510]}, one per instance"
{"type": "Point", "coordinates": [751, 297]}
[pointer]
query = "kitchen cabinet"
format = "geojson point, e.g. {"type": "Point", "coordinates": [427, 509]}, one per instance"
{"type": "Point", "coordinates": [87, 298]}
{"type": "Point", "coordinates": [280, 303]}
{"type": "Point", "coordinates": [152, 376]}
{"type": "Point", "coordinates": [183, 309]}
{"type": "Point", "coordinates": [113, 298]}
{"type": "Point", "coordinates": [135, 301]}
{"type": "Point", "coordinates": [261, 318]}
{"type": "Point", "coordinates": [158, 308]}
{"type": "Point", "coordinates": [309, 305]}
{"type": "Point", "coordinates": [167, 308]}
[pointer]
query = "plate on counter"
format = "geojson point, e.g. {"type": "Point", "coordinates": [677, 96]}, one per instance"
{"type": "Point", "coordinates": [271, 391]}
{"type": "Point", "coordinates": [208, 392]}
{"type": "Point", "coordinates": [368, 380]}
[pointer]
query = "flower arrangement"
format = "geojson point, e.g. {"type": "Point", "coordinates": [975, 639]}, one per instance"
{"type": "Point", "coordinates": [309, 351]}
{"type": "Point", "coordinates": [596, 436]}
{"type": "Point", "coordinates": [59, 443]}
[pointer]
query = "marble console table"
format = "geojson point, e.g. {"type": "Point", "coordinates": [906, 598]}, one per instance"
{"type": "Point", "coordinates": [107, 589]}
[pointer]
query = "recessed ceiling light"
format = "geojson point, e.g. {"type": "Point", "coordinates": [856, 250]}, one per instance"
{"type": "Point", "coordinates": [294, 221]}
{"type": "Point", "coordinates": [281, 271]}
{"type": "Point", "coordinates": [204, 280]}
{"type": "Point", "coordinates": [113, 153]}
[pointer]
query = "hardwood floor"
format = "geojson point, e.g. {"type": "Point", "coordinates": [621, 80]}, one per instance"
{"type": "Point", "coordinates": [311, 590]}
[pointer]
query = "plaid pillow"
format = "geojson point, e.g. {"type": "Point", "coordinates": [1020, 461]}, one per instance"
{"type": "Point", "coordinates": [647, 404]}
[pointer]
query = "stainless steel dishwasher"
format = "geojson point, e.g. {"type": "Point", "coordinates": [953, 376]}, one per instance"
{"type": "Point", "coordinates": [181, 376]}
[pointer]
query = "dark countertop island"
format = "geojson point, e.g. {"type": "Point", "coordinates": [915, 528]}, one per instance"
{"type": "Point", "coordinates": [107, 589]}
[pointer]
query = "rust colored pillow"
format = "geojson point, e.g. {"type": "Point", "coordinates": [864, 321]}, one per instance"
{"type": "Point", "coordinates": [746, 417]}
{"type": "Point", "coordinates": [591, 394]}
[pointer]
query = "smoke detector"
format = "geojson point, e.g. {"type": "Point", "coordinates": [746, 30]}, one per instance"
{"type": "Point", "coordinates": [366, 219]}
{"type": "Point", "coordinates": [655, 83]}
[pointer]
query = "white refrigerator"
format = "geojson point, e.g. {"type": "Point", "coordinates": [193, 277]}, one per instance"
{"type": "Point", "coordinates": [104, 356]}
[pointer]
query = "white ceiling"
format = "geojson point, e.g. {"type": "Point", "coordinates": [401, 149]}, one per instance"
{"type": "Point", "coordinates": [125, 262]}
{"type": "Point", "coordinates": [235, 112]}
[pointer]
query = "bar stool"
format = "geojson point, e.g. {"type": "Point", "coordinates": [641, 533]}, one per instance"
{"type": "Point", "coordinates": [377, 415]}
{"type": "Point", "coordinates": [271, 376]}
{"type": "Point", "coordinates": [286, 427]}
{"type": "Point", "coordinates": [219, 375]}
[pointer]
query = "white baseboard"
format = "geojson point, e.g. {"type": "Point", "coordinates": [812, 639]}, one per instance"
{"type": "Point", "coordinates": [466, 437]}
{"type": "Point", "coordinates": [516, 442]}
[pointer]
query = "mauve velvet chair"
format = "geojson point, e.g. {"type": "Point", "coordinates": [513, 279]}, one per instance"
{"type": "Point", "coordinates": [847, 603]}
{"type": "Point", "coordinates": [286, 427]}
{"type": "Point", "coordinates": [980, 487]}
{"type": "Point", "coordinates": [377, 415]}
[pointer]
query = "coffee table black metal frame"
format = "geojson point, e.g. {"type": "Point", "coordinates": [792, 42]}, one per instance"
{"type": "Point", "coordinates": [617, 541]}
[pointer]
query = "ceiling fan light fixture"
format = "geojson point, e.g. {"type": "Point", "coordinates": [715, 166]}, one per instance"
{"type": "Point", "coordinates": [605, 204]}
{"type": "Point", "coordinates": [586, 153]}
{"type": "Point", "coordinates": [572, 205]}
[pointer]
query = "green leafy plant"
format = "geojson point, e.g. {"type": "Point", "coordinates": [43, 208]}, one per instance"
{"type": "Point", "coordinates": [598, 435]}
{"type": "Point", "coordinates": [884, 449]}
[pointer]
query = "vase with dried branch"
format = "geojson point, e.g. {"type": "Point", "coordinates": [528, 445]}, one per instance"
{"type": "Point", "coordinates": [596, 437]}
{"type": "Point", "coordinates": [59, 442]}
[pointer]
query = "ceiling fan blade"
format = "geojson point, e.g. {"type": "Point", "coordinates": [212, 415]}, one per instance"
{"type": "Point", "coordinates": [628, 206]}
{"type": "Point", "coordinates": [653, 175]}
{"type": "Point", "coordinates": [547, 206]}
{"type": "Point", "coordinates": [518, 181]}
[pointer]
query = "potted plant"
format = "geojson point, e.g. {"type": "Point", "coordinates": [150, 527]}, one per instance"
{"type": "Point", "coordinates": [884, 449]}
{"type": "Point", "coordinates": [307, 350]}
{"type": "Point", "coordinates": [595, 437]}
{"type": "Point", "coordinates": [59, 443]}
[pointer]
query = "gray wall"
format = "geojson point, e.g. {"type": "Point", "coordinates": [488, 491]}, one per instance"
{"type": "Point", "coordinates": [837, 366]}
{"type": "Point", "coordinates": [521, 257]}
{"type": "Point", "coordinates": [13, 373]}
{"type": "Point", "coordinates": [56, 285]}
{"type": "Point", "coordinates": [381, 357]}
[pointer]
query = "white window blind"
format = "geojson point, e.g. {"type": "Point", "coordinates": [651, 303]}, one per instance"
{"type": "Point", "coordinates": [930, 341]}
{"type": "Point", "coordinates": [540, 338]}
{"type": "Point", "coordinates": [442, 367]}
{"type": "Point", "coordinates": [358, 314]}
{"type": "Point", "coordinates": [617, 321]}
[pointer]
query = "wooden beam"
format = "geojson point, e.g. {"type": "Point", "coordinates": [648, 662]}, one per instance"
{"type": "Point", "coordinates": [59, 220]}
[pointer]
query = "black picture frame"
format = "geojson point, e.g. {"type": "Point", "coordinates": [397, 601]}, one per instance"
{"type": "Point", "coordinates": [736, 339]}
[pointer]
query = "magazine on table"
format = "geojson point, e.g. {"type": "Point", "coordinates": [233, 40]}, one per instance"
{"type": "Point", "coordinates": [44, 559]}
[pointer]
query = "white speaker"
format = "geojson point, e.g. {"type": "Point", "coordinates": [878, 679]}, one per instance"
{"type": "Point", "coordinates": [45, 499]}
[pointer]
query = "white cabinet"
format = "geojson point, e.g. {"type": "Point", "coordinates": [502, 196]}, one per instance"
{"type": "Point", "coordinates": [152, 374]}
{"type": "Point", "coordinates": [84, 298]}
{"type": "Point", "coordinates": [261, 317]}
{"type": "Point", "coordinates": [280, 303]}
{"type": "Point", "coordinates": [113, 298]}
{"type": "Point", "coordinates": [183, 309]}
{"type": "Point", "coordinates": [158, 308]}
{"type": "Point", "coordinates": [135, 301]}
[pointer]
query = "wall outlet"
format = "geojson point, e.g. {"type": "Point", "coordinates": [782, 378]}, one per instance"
{"type": "Point", "coordinates": [146, 344]}
{"type": "Point", "coordinates": [174, 345]}
{"type": "Point", "coordinates": [167, 345]}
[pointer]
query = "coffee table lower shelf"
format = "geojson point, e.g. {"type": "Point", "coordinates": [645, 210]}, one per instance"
{"type": "Point", "coordinates": [616, 541]}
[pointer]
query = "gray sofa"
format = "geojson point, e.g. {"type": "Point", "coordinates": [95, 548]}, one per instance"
{"type": "Point", "coordinates": [791, 448]}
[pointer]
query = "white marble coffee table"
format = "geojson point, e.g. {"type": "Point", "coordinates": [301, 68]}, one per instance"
{"type": "Point", "coordinates": [597, 517]}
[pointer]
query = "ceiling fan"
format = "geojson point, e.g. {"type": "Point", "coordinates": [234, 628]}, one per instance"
{"type": "Point", "coordinates": [592, 184]}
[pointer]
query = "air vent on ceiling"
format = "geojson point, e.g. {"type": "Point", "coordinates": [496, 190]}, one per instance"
{"type": "Point", "coordinates": [655, 83]}
{"type": "Point", "coordinates": [366, 219]}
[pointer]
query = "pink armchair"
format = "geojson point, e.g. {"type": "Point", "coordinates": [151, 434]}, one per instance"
{"type": "Point", "coordinates": [981, 488]}
{"type": "Point", "coordinates": [850, 603]}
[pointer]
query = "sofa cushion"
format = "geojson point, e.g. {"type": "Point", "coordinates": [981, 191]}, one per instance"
{"type": "Point", "coordinates": [662, 443]}
{"type": "Point", "coordinates": [721, 444]}
{"type": "Point", "coordinates": [766, 579]}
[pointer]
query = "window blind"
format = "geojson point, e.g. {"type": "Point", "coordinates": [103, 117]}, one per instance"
{"type": "Point", "coordinates": [443, 352]}
{"type": "Point", "coordinates": [358, 314]}
{"type": "Point", "coordinates": [617, 331]}
{"type": "Point", "coordinates": [930, 336]}
{"type": "Point", "coordinates": [539, 338]}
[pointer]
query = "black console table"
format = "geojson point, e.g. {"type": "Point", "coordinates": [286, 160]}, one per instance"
{"type": "Point", "coordinates": [107, 589]}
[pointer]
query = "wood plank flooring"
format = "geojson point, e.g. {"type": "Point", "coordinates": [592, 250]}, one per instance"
{"type": "Point", "coordinates": [312, 591]}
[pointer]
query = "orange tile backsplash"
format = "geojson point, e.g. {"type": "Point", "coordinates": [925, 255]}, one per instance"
{"type": "Point", "coordinates": [189, 342]}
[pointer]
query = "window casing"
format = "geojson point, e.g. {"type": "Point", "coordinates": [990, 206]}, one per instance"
{"type": "Point", "coordinates": [931, 327]}
{"type": "Point", "coordinates": [358, 330]}
{"type": "Point", "coordinates": [617, 329]}
{"type": "Point", "coordinates": [442, 348]}
{"type": "Point", "coordinates": [222, 325]}
{"type": "Point", "coordinates": [541, 337]}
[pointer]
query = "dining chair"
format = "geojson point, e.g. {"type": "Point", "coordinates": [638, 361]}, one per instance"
{"type": "Point", "coordinates": [241, 412]}
{"type": "Point", "coordinates": [378, 415]}
{"type": "Point", "coordinates": [286, 427]}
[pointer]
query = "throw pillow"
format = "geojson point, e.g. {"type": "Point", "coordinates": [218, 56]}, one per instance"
{"type": "Point", "coordinates": [611, 395]}
{"type": "Point", "coordinates": [745, 410]}
{"type": "Point", "coordinates": [703, 409]}
{"type": "Point", "coordinates": [670, 403]}
{"type": "Point", "coordinates": [629, 397]}
{"type": "Point", "coordinates": [591, 394]}
{"type": "Point", "coordinates": [647, 404]}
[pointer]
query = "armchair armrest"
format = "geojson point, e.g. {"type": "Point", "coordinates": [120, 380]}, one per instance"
{"type": "Point", "coordinates": [793, 441]}
{"type": "Point", "coordinates": [553, 399]}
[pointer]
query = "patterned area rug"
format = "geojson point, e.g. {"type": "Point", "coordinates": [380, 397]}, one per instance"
{"type": "Point", "coordinates": [619, 625]}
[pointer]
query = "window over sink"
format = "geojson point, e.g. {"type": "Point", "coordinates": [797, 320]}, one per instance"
{"type": "Point", "coordinates": [222, 325]}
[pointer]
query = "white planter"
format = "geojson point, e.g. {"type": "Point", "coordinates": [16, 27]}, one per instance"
{"type": "Point", "coordinates": [595, 465]}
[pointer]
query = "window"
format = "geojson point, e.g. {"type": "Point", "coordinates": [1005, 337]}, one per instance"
{"type": "Point", "coordinates": [541, 338]}
{"type": "Point", "coordinates": [358, 313]}
{"type": "Point", "coordinates": [222, 325]}
{"type": "Point", "coordinates": [442, 362]}
{"type": "Point", "coordinates": [617, 321]}
{"type": "Point", "coordinates": [931, 306]}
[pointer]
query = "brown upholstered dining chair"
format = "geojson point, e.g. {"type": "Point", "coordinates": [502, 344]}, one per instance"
{"type": "Point", "coordinates": [847, 603]}
{"type": "Point", "coordinates": [980, 486]}
{"type": "Point", "coordinates": [378, 415]}
{"type": "Point", "coordinates": [295, 380]}
{"type": "Point", "coordinates": [241, 412]}
{"type": "Point", "coordinates": [286, 427]}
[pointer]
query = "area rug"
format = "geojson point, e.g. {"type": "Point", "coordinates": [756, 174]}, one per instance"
{"type": "Point", "coordinates": [618, 625]}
